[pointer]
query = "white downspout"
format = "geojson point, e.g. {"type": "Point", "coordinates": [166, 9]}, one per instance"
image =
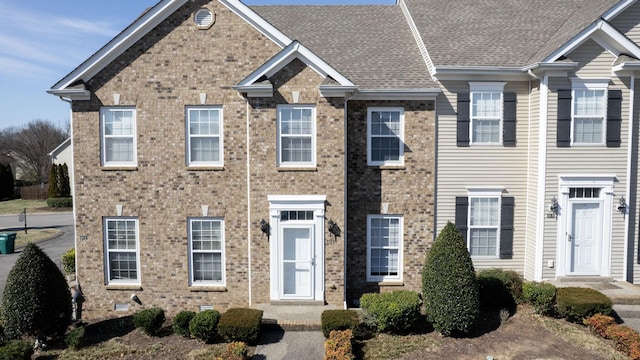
{"type": "Point", "coordinates": [629, 166]}
{"type": "Point", "coordinates": [73, 173]}
{"type": "Point", "coordinates": [542, 171]}
{"type": "Point", "coordinates": [248, 204]}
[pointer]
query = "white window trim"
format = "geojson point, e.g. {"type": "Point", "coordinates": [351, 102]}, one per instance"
{"type": "Point", "coordinates": [487, 193]}
{"type": "Point", "coordinates": [223, 281]}
{"type": "Point", "coordinates": [309, 164]}
{"type": "Point", "coordinates": [589, 84]}
{"type": "Point", "coordinates": [103, 147]}
{"type": "Point", "coordinates": [107, 274]}
{"type": "Point", "coordinates": [400, 161]}
{"type": "Point", "coordinates": [399, 277]}
{"type": "Point", "coordinates": [220, 135]}
{"type": "Point", "coordinates": [486, 87]}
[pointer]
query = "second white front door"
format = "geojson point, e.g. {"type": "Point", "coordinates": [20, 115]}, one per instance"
{"type": "Point", "coordinates": [585, 238]}
{"type": "Point", "coordinates": [297, 262]}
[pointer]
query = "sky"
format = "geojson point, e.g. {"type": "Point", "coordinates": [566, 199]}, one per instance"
{"type": "Point", "coordinates": [41, 41]}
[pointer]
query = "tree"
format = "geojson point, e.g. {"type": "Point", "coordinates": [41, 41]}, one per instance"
{"type": "Point", "coordinates": [30, 146]}
{"type": "Point", "coordinates": [6, 182]}
{"type": "Point", "coordinates": [52, 190]}
{"type": "Point", "coordinates": [449, 284]}
{"type": "Point", "coordinates": [36, 300]}
{"type": "Point", "coordinates": [65, 186]}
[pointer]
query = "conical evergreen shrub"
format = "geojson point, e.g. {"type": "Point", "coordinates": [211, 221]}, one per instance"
{"type": "Point", "coordinates": [52, 190]}
{"type": "Point", "coordinates": [36, 300]}
{"type": "Point", "coordinates": [449, 284]}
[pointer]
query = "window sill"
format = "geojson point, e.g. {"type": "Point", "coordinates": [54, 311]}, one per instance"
{"type": "Point", "coordinates": [205, 168]}
{"type": "Point", "coordinates": [208, 289]}
{"type": "Point", "coordinates": [124, 287]}
{"type": "Point", "coordinates": [119, 168]}
{"type": "Point", "coordinates": [297, 169]}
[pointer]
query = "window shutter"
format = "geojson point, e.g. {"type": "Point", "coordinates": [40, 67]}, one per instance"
{"type": "Point", "coordinates": [564, 119]}
{"type": "Point", "coordinates": [614, 117]}
{"type": "Point", "coordinates": [509, 120]}
{"type": "Point", "coordinates": [506, 228]}
{"type": "Point", "coordinates": [463, 119]}
{"type": "Point", "coordinates": [462, 209]}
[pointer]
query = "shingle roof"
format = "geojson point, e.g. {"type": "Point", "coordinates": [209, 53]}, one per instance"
{"type": "Point", "coordinates": [371, 45]}
{"type": "Point", "coordinates": [505, 33]}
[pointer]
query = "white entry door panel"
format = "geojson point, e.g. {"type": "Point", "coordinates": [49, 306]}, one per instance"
{"type": "Point", "coordinates": [297, 262]}
{"type": "Point", "coordinates": [585, 238]}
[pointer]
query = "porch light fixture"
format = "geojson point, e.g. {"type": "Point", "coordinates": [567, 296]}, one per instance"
{"type": "Point", "coordinates": [622, 205]}
{"type": "Point", "coordinates": [334, 229]}
{"type": "Point", "coordinates": [553, 208]}
{"type": "Point", "coordinates": [264, 226]}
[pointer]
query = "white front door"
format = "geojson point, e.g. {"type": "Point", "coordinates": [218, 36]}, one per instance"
{"type": "Point", "coordinates": [297, 262]}
{"type": "Point", "coordinates": [585, 238]}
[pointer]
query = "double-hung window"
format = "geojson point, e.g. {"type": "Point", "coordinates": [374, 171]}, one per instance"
{"type": "Point", "coordinates": [484, 225]}
{"type": "Point", "coordinates": [486, 113]}
{"type": "Point", "coordinates": [206, 251]}
{"type": "Point", "coordinates": [385, 136]}
{"type": "Point", "coordinates": [296, 136]}
{"type": "Point", "coordinates": [384, 248]}
{"type": "Point", "coordinates": [118, 132]}
{"type": "Point", "coordinates": [122, 260]}
{"type": "Point", "coordinates": [204, 136]}
{"type": "Point", "coordinates": [589, 109]}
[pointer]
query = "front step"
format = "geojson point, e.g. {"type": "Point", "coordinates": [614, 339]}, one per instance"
{"type": "Point", "coordinates": [292, 325]}
{"type": "Point", "coordinates": [627, 311]}
{"type": "Point", "coordinates": [585, 279]}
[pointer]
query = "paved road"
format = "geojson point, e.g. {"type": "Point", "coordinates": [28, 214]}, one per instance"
{"type": "Point", "coordinates": [54, 248]}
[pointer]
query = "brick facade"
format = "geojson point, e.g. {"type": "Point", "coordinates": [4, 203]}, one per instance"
{"type": "Point", "coordinates": [167, 70]}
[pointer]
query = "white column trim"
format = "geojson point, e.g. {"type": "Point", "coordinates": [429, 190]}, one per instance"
{"type": "Point", "coordinates": [542, 172]}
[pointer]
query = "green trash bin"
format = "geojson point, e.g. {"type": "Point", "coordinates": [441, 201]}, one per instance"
{"type": "Point", "coordinates": [7, 243]}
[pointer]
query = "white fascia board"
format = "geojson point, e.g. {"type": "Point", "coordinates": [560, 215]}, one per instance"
{"type": "Point", "coordinates": [480, 73]}
{"type": "Point", "coordinates": [627, 66]}
{"type": "Point", "coordinates": [329, 91]}
{"type": "Point", "coordinates": [617, 9]}
{"type": "Point", "coordinates": [604, 34]}
{"type": "Point", "coordinates": [259, 23]}
{"type": "Point", "coordinates": [397, 94]}
{"type": "Point", "coordinates": [255, 90]}
{"type": "Point", "coordinates": [120, 43]}
{"type": "Point", "coordinates": [71, 94]}
{"type": "Point", "coordinates": [288, 54]}
{"type": "Point", "coordinates": [62, 145]}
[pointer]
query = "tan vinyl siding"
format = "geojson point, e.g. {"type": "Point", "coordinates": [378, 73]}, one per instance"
{"type": "Point", "coordinates": [627, 22]}
{"type": "Point", "coordinates": [459, 167]}
{"type": "Point", "coordinates": [586, 160]}
{"type": "Point", "coordinates": [593, 59]}
{"type": "Point", "coordinates": [532, 182]}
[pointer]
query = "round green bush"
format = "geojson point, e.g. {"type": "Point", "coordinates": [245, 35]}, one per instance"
{"type": "Point", "coordinates": [17, 350]}
{"type": "Point", "coordinates": [449, 284]}
{"type": "Point", "coordinates": [577, 303]}
{"type": "Point", "coordinates": [37, 300]}
{"type": "Point", "coordinates": [181, 323]}
{"type": "Point", "coordinates": [499, 289]}
{"type": "Point", "coordinates": [395, 312]}
{"type": "Point", "coordinates": [204, 325]}
{"type": "Point", "coordinates": [69, 261]}
{"type": "Point", "coordinates": [541, 295]}
{"type": "Point", "coordinates": [75, 338]}
{"type": "Point", "coordinates": [149, 320]}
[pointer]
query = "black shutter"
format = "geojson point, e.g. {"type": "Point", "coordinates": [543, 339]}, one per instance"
{"type": "Point", "coordinates": [509, 121]}
{"type": "Point", "coordinates": [614, 117]}
{"type": "Point", "coordinates": [564, 119]}
{"type": "Point", "coordinates": [506, 228]}
{"type": "Point", "coordinates": [462, 209]}
{"type": "Point", "coordinates": [463, 119]}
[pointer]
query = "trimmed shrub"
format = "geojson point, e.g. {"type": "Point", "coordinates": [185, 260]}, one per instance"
{"type": "Point", "coordinates": [338, 320]}
{"type": "Point", "coordinates": [598, 324]}
{"type": "Point", "coordinates": [449, 284]}
{"type": "Point", "coordinates": [65, 202]}
{"type": "Point", "coordinates": [149, 320]}
{"type": "Point", "coordinates": [69, 261]}
{"type": "Point", "coordinates": [338, 346]}
{"type": "Point", "coordinates": [181, 323]}
{"type": "Point", "coordinates": [541, 295]}
{"type": "Point", "coordinates": [240, 325]}
{"type": "Point", "coordinates": [576, 303]}
{"type": "Point", "coordinates": [75, 338]}
{"type": "Point", "coordinates": [626, 339]}
{"type": "Point", "coordinates": [204, 325]}
{"type": "Point", "coordinates": [16, 350]}
{"type": "Point", "coordinates": [36, 300]}
{"type": "Point", "coordinates": [235, 351]}
{"type": "Point", "coordinates": [499, 289]}
{"type": "Point", "coordinates": [396, 311]}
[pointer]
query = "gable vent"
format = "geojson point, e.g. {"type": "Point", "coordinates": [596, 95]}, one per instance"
{"type": "Point", "coordinates": [204, 18]}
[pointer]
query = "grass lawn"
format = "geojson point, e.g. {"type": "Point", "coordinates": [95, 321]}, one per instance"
{"type": "Point", "coordinates": [18, 205]}
{"type": "Point", "coordinates": [34, 236]}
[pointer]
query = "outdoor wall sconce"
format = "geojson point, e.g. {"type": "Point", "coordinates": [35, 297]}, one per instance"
{"type": "Point", "coordinates": [334, 229]}
{"type": "Point", "coordinates": [622, 205]}
{"type": "Point", "coordinates": [264, 226]}
{"type": "Point", "coordinates": [553, 208]}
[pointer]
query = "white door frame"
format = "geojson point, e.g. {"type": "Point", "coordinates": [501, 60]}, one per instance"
{"type": "Point", "coordinates": [564, 220]}
{"type": "Point", "coordinates": [278, 203]}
